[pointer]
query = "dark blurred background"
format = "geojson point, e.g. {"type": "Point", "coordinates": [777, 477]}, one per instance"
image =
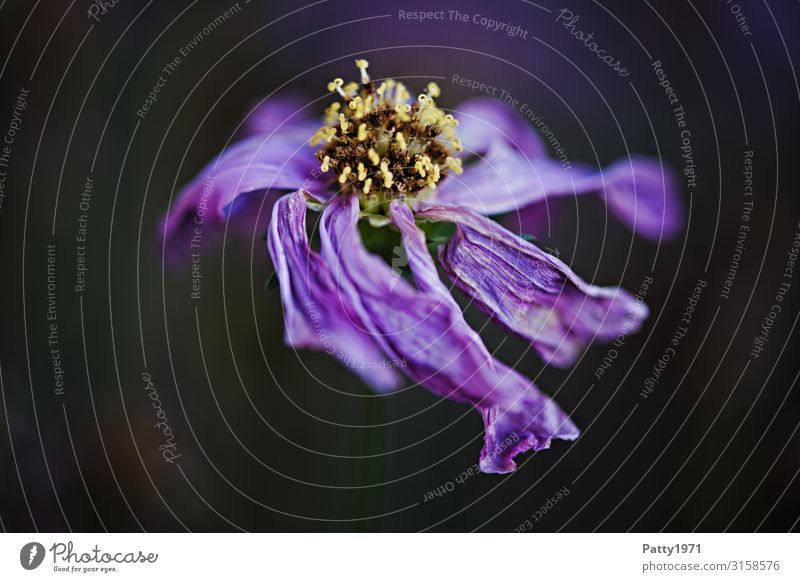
{"type": "Point", "coordinates": [266, 439]}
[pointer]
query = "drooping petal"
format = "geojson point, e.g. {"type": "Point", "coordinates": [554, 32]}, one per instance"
{"type": "Point", "coordinates": [513, 171]}
{"type": "Point", "coordinates": [530, 292]}
{"type": "Point", "coordinates": [423, 327]}
{"type": "Point", "coordinates": [313, 317]}
{"type": "Point", "coordinates": [239, 177]}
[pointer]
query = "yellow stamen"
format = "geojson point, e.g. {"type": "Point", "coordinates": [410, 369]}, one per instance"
{"type": "Point", "coordinates": [401, 94]}
{"type": "Point", "coordinates": [362, 64]}
{"type": "Point", "coordinates": [373, 157]}
{"type": "Point", "coordinates": [407, 132]}
{"type": "Point", "coordinates": [401, 140]}
{"type": "Point", "coordinates": [325, 134]}
{"type": "Point", "coordinates": [387, 175]}
{"type": "Point", "coordinates": [336, 85]}
{"type": "Point", "coordinates": [403, 110]}
{"type": "Point", "coordinates": [423, 165]}
{"type": "Point", "coordinates": [454, 164]}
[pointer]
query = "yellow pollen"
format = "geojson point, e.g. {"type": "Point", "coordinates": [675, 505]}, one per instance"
{"type": "Point", "coordinates": [332, 112]}
{"type": "Point", "coordinates": [387, 175]}
{"type": "Point", "coordinates": [401, 94]}
{"type": "Point", "coordinates": [351, 88]}
{"type": "Point", "coordinates": [325, 134]}
{"type": "Point", "coordinates": [373, 157]}
{"type": "Point", "coordinates": [382, 142]}
{"type": "Point", "coordinates": [454, 164]}
{"type": "Point", "coordinates": [423, 165]}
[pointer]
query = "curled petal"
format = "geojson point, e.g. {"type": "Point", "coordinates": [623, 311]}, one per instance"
{"type": "Point", "coordinates": [240, 177]}
{"type": "Point", "coordinates": [313, 317]}
{"type": "Point", "coordinates": [423, 327]}
{"type": "Point", "coordinates": [513, 172]}
{"type": "Point", "coordinates": [530, 292]}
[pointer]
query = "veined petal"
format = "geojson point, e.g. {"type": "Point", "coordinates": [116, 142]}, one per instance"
{"type": "Point", "coordinates": [313, 317]}
{"type": "Point", "coordinates": [530, 292]}
{"type": "Point", "coordinates": [241, 176]}
{"type": "Point", "coordinates": [513, 172]}
{"type": "Point", "coordinates": [424, 327]}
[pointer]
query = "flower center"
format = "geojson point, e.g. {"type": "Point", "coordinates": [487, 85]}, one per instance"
{"type": "Point", "coordinates": [381, 144]}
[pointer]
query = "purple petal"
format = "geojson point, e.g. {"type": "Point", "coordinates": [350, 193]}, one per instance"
{"type": "Point", "coordinates": [424, 328]}
{"type": "Point", "coordinates": [283, 113]}
{"type": "Point", "coordinates": [313, 317]}
{"type": "Point", "coordinates": [539, 219]}
{"type": "Point", "coordinates": [529, 292]}
{"type": "Point", "coordinates": [643, 195]}
{"type": "Point", "coordinates": [484, 120]}
{"type": "Point", "coordinates": [251, 168]}
{"type": "Point", "coordinates": [514, 171]}
{"type": "Point", "coordinates": [504, 180]}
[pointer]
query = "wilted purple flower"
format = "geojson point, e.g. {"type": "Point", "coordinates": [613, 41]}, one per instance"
{"type": "Point", "coordinates": [385, 162]}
